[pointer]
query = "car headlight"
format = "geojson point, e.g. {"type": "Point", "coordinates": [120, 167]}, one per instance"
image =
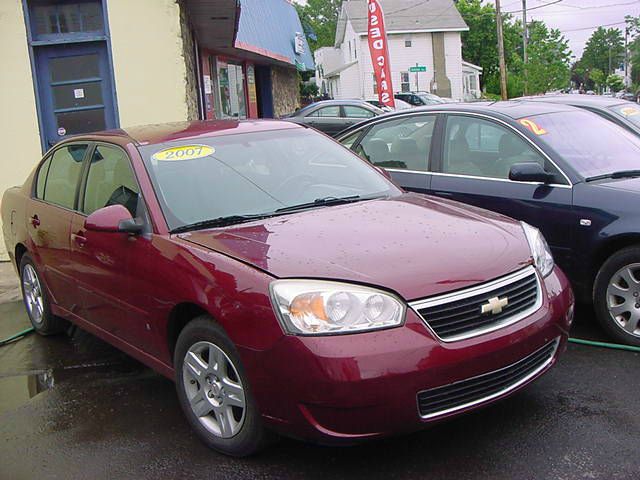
{"type": "Point", "coordinates": [540, 251]}
{"type": "Point", "coordinates": [316, 307]}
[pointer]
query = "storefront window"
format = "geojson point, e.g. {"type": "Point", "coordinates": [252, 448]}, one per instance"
{"type": "Point", "coordinates": [230, 101]}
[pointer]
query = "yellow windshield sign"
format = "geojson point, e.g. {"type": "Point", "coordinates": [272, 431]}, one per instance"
{"type": "Point", "coordinates": [184, 152]}
{"type": "Point", "coordinates": [629, 111]}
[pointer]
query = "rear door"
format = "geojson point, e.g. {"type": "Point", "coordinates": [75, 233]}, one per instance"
{"type": "Point", "coordinates": [473, 167]}
{"type": "Point", "coordinates": [402, 146]}
{"type": "Point", "coordinates": [49, 214]}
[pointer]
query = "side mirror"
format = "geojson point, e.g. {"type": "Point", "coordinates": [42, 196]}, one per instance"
{"type": "Point", "coordinates": [114, 218]}
{"type": "Point", "coordinates": [385, 173]}
{"type": "Point", "coordinates": [529, 172]}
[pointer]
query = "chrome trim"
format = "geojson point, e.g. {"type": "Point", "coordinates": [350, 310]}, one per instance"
{"type": "Point", "coordinates": [416, 305]}
{"type": "Point", "coordinates": [504, 391]}
{"type": "Point", "coordinates": [476, 177]}
{"type": "Point", "coordinates": [475, 114]}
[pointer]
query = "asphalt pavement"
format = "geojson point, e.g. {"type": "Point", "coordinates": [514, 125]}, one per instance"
{"type": "Point", "coordinates": [76, 408]}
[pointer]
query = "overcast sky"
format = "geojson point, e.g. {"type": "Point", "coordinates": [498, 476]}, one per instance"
{"type": "Point", "coordinates": [576, 19]}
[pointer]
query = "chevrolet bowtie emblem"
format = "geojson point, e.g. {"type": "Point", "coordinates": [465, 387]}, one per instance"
{"type": "Point", "coordinates": [494, 305]}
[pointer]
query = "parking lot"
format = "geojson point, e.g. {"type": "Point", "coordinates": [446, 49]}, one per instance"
{"type": "Point", "coordinates": [77, 408]}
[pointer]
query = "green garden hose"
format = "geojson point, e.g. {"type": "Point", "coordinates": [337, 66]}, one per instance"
{"type": "Point", "coordinates": [615, 346]}
{"type": "Point", "coordinates": [16, 336]}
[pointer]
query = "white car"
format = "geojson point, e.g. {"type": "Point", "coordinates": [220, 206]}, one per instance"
{"type": "Point", "coordinates": [400, 104]}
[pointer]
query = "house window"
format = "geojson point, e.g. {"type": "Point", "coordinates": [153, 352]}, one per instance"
{"type": "Point", "coordinates": [350, 50]}
{"type": "Point", "coordinates": [407, 42]}
{"type": "Point", "coordinates": [375, 84]}
{"type": "Point", "coordinates": [405, 86]}
{"type": "Point", "coordinates": [50, 20]}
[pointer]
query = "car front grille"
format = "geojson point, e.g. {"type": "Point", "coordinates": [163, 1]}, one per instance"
{"type": "Point", "coordinates": [459, 315]}
{"type": "Point", "coordinates": [466, 393]}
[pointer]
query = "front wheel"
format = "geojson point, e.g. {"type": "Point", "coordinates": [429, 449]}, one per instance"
{"type": "Point", "coordinates": [616, 296]}
{"type": "Point", "coordinates": [214, 392]}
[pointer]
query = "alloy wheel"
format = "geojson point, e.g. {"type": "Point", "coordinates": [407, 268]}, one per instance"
{"type": "Point", "coordinates": [33, 294]}
{"type": "Point", "coordinates": [623, 298]}
{"type": "Point", "coordinates": [214, 389]}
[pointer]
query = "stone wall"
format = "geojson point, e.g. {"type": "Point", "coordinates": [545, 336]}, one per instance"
{"type": "Point", "coordinates": [188, 54]}
{"type": "Point", "coordinates": [285, 87]}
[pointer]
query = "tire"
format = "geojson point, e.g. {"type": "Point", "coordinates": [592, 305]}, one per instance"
{"type": "Point", "coordinates": [616, 296]}
{"type": "Point", "coordinates": [36, 300]}
{"type": "Point", "coordinates": [211, 396]}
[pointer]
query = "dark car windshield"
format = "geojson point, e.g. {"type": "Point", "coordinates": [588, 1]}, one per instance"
{"type": "Point", "coordinates": [256, 173]}
{"type": "Point", "coordinates": [629, 111]}
{"type": "Point", "coordinates": [589, 143]}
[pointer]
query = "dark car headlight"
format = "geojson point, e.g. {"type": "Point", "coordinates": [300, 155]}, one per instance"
{"type": "Point", "coordinates": [317, 307]}
{"type": "Point", "coordinates": [542, 257]}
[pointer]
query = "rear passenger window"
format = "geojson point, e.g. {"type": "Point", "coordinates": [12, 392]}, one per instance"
{"type": "Point", "coordinates": [62, 176]}
{"type": "Point", "coordinates": [42, 178]}
{"type": "Point", "coordinates": [110, 181]}
{"type": "Point", "coordinates": [402, 144]}
{"type": "Point", "coordinates": [357, 112]}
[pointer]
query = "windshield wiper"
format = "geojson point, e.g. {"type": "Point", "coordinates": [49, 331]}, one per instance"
{"type": "Point", "coordinates": [619, 174]}
{"type": "Point", "coordinates": [220, 222]}
{"type": "Point", "coordinates": [320, 202]}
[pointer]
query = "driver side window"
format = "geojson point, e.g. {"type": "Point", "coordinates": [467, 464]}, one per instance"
{"type": "Point", "coordinates": [478, 147]}
{"type": "Point", "coordinates": [110, 181]}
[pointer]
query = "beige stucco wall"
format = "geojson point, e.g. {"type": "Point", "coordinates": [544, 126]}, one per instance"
{"type": "Point", "coordinates": [19, 133]}
{"type": "Point", "coordinates": [149, 66]}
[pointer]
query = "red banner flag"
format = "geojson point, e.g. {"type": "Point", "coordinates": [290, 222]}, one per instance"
{"type": "Point", "coordinates": [379, 49]}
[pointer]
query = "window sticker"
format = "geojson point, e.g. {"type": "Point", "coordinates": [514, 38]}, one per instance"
{"type": "Point", "coordinates": [629, 111]}
{"type": "Point", "coordinates": [532, 126]}
{"type": "Point", "coordinates": [184, 152]}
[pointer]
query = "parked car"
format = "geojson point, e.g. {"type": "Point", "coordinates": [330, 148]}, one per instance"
{"type": "Point", "coordinates": [400, 105]}
{"type": "Point", "coordinates": [333, 116]}
{"type": "Point", "coordinates": [624, 113]}
{"type": "Point", "coordinates": [569, 172]}
{"type": "Point", "coordinates": [283, 282]}
{"type": "Point", "coordinates": [419, 99]}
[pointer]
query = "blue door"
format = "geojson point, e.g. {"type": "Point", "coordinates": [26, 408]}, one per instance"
{"type": "Point", "coordinates": [75, 88]}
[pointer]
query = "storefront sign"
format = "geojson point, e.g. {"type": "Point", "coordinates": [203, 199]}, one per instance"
{"type": "Point", "coordinates": [251, 84]}
{"type": "Point", "coordinates": [298, 43]}
{"type": "Point", "coordinates": [207, 85]}
{"type": "Point", "coordinates": [379, 50]}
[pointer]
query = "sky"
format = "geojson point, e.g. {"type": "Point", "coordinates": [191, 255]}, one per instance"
{"type": "Point", "coordinates": [576, 19]}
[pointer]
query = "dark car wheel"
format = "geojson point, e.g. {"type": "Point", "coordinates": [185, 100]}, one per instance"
{"type": "Point", "coordinates": [36, 301]}
{"type": "Point", "coordinates": [214, 392]}
{"type": "Point", "coordinates": [617, 296]}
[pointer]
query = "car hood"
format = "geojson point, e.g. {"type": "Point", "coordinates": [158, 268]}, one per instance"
{"type": "Point", "coordinates": [412, 244]}
{"type": "Point", "coordinates": [626, 184]}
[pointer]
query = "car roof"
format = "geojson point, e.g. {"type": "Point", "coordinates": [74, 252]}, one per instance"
{"type": "Point", "coordinates": [511, 108]}
{"type": "Point", "coordinates": [194, 130]}
{"type": "Point", "coordinates": [586, 100]}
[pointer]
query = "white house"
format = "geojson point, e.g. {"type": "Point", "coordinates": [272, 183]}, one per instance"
{"type": "Point", "coordinates": [423, 34]}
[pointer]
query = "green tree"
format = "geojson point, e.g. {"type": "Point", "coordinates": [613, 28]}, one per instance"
{"type": "Point", "coordinates": [604, 50]}
{"type": "Point", "coordinates": [480, 42]}
{"type": "Point", "coordinates": [615, 82]}
{"type": "Point", "coordinates": [549, 59]}
{"type": "Point", "coordinates": [598, 78]}
{"type": "Point", "coordinates": [319, 19]}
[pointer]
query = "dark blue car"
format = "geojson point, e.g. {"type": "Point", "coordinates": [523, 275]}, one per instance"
{"type": "Point", "coordinates": [567, 171]}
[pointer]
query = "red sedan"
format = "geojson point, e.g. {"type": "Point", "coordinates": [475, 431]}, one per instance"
{"type": "Point", "coordinates": [282, 282]}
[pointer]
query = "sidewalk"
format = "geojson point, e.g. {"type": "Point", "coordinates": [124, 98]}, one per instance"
{"type": "Point", "coordinates": [9, 283]}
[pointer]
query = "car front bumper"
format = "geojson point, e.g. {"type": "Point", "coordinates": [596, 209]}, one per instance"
{"type": "Point", "coordinates": [344, 388]}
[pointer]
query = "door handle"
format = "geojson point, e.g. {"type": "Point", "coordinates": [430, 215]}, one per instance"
{"type": "Point", "coordinates": [80, 239]}
{"type": "Point", "coordinates": [35, 221]}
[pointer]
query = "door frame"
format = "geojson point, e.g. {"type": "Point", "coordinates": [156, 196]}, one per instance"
{"type": "Point", "coordinates": [66, 39]}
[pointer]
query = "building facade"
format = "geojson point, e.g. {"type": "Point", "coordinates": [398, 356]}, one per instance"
{"type": "Point", "coordinates": [76, 66]}
{"type": "Point", "coordinates": [422, 36]}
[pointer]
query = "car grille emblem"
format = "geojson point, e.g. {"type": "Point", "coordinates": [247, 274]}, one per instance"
{"type": "Point", "coordinates": [494, 305]}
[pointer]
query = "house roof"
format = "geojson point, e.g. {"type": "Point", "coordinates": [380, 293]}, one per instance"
{"type": "Point", "coordinates": [403, 16]}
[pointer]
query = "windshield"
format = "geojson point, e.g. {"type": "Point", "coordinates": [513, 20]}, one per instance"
{"type": "Point", "coordinates": [587, 142]}
{"type": "Point", "coordinates": [255, 173]}
{"type": "Point", "coordinates": [629, 111]}
{"type": "Point", "coordinates": [429, 98]}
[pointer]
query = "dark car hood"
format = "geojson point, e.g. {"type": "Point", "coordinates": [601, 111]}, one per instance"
{"type": "Point", "coordinates": [626, 184]}
{"type": "Point", "coordinates": [412, 244]}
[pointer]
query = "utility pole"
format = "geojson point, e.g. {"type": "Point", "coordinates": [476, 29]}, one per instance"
{"type": "Point", "coordinates": [626, 54]}
{"type": "Point", "coordinates": [525, 40]}
{"type": "Point", "coordinates": [503, 67]}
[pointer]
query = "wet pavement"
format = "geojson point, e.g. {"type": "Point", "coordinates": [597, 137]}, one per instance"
{"type": "Point", "coordinates": [74, 407]}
